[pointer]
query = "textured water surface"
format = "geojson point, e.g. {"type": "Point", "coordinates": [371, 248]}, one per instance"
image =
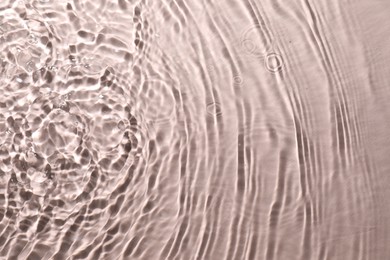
{"type": "Point", "coordinates": [194, 130]}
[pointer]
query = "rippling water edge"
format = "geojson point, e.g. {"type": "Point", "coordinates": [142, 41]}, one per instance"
{"type": "Point", "coordinates": [194, 130]}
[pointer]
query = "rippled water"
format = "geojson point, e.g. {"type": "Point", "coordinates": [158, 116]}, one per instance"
{"type": "Point", "coordinates": [194, 130]}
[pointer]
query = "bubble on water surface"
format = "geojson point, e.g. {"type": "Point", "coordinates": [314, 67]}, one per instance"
{"type": "Point", "coordinates": [32, 39]}
{"type": "Point", "coordinates": [214, 109]}
{"type": "Point", "coordinates": [237, 79]}
{"type": "Point", "coordinates": [53, 68]}
{"type": "Point", "coordinates": [274, 62]}
{"type": "Point", "coordinates": [31, 66]}
{"type": "Point", "coordinates": [254, 41]}
{"type": "Point", "coordinates": [121, 125]}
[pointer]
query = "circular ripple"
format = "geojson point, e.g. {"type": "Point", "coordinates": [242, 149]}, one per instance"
{"type": "Point", "coordinates": [71, 144]}
{"type": "Point", "coordinates": [254, 42]}
{"type": "Point", "coordinates": [274, 62]}
{"type": "Point", "coordinates": [71, 135]}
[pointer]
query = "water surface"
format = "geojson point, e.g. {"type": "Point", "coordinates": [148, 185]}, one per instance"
{"type": "Point", "coordinates": [194, 130]}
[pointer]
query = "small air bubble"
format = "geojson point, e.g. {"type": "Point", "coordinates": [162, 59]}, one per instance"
{"type": "Point", "coordinates": [121, 125]}
{"type": "Point", "coordinates": [101, 96]}
{"type": "Point", "coordinates": [38, 177]}
{"type": "Point", "coordinates": [53, 68]}
{"type": "Point", "coordinates": [274, 62]}
{"type": "Point", "coordinates": [214, 109]}
{"type": "Point", "coordinates": [32, 39]}
{"type": "Point", "coordinates": [30, 66]}
{"type": "Point", "coordinates": [237, 79]}
{"type": "Point", "coordinates": [253, 43]}
{"type": "Point", "coordinates": [66, 96]}
{"type": "Point", "coordinates": [15, 50]}
{"type": "Point", "coordinates": [249, 45]}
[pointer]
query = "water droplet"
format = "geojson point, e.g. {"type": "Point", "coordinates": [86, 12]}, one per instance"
{"type": "Point", "coordinates": [273, 62]}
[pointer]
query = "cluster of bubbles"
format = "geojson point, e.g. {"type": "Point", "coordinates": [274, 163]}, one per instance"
{"type": "Point", "coordinates": [255, 43]}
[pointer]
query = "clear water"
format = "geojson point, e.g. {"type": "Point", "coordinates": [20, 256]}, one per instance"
{"type": "Point", "coordinates": [194, 130]}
